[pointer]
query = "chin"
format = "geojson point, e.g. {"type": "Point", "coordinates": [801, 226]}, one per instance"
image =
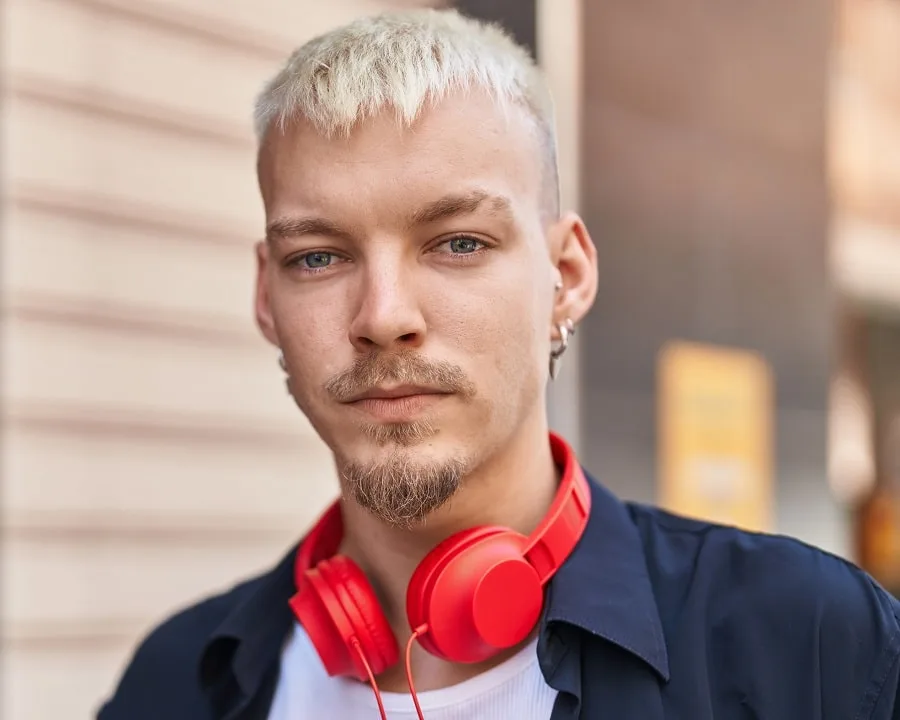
{"type": "Point", "coordinates": [401, 477]}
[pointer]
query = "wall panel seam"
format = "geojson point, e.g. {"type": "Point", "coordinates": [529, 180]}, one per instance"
{"type": "Point", "coordinates": [79, 528]}
{"type": "Point", "coordinates": [151, 427]}
{"type": "Point", "coordinates": [97, 102]}
{"type": "Point", "coordinates": [98, 313]}
{"type": "Point", "coordinates": [198, 26]}
{"type": "Point", "coordinates": [91, 207]}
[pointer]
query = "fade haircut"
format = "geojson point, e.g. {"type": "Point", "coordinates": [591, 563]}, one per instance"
{"type": "Point", "coordinates": [404, 61]}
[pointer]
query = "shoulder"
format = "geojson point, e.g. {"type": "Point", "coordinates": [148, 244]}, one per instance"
{"type": "Point", "coordinates": [769, 566]}
{"type": "Point", "coordinates": [162, 677]}
{"type": "Point", "coordinates": [783, 597]}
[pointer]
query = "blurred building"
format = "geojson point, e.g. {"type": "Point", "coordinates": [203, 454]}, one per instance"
{"type": "Point", "coordinates": [864, 163]}
{"type": "Point", "coordinates": [737, 166]}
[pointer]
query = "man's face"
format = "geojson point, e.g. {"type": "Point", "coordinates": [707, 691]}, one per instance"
{"type": "Point", "coordinates": [408, 281]}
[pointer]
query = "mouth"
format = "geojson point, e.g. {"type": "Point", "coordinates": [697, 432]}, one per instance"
{"type": "Point", "coordinates": [397, 404]}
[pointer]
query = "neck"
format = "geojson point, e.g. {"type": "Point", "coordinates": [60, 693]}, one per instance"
{"type": "Point", "coordinates": [513, 488]}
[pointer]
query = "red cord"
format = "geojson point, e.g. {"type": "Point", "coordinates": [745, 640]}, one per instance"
{"type": "Point", "coordinates": [421, 630]}
{"type": "Point", "coordinates": [374, 684]}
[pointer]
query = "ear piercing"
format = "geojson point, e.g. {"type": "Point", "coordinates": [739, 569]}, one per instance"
{"type": "Point", "coordinates": [566, 330]}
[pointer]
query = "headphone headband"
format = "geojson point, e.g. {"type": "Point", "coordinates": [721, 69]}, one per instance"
{"type": "Point", "coordinates": [320, 543]}
{"type": "Point", "coordinates": [557, 534]}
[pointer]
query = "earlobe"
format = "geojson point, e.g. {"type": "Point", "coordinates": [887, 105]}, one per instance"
{"type": "Point", "coordinates": [262, 304]}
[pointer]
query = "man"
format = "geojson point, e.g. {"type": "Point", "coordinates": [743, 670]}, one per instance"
{"type": "Point", "coordinates": [421, 284]}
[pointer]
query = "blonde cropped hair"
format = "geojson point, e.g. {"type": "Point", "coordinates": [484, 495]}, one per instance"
{"type": "Point", "coordinates": [402, 61]}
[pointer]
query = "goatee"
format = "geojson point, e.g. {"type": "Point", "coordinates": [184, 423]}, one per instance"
{"type": "Point", "coordinates": [400, 491]}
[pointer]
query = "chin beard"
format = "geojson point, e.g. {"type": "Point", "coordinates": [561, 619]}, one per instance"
{"type": "Point", "coordinates": [401, 491]}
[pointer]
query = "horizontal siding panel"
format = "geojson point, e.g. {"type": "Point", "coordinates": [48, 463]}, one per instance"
{"type": "Point", "coordinates": [294, 22]}
{"type": "Point", "coordinates": [55, 683]}
{"type": "Point", "coordinates": [184, 484]}
{"type": "Point", "coordinates": [125, 213]}
{"type": "Point", "coordinates": [220, 59]}
{"type": "Point", "coordinates": [71, 363]}
{"type": "Point", "coordinates": [101, 581]}
{"type": "Point", "coordinates": [117, 53]}
{"type": "Point", "coordinates": [107, 155]}
{"type": "Point", "coordinates": [63, 637]}
{"type": "Point", "coordinates": [92, 260]}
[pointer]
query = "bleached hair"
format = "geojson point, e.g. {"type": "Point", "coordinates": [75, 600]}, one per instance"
{"type": "Point", "coordinates": [403, 61]}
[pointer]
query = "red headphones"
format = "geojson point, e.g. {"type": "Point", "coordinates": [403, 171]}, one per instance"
{"type": "Point", "coordinates": [478, 592]}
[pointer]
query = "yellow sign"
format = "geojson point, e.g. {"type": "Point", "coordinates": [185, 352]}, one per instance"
{"type": "Point", "coordinates": [715, 435]}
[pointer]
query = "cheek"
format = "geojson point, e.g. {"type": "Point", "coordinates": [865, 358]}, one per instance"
{"type": "Point", "coordinates": [313, 338]}
{"type": "Point", "coordinates": [495, 332]}
{"type": "Point", "coordinates": [520, 345]}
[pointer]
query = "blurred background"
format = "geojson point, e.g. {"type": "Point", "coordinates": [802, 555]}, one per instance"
{"type": "Point", "coordinates": [737, 163]}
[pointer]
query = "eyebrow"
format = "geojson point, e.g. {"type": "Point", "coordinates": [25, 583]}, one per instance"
{"type": "Point", "coordinates": [291, 227]}
{"type": "Point", "coordinates": [444, 208]}
{"type": "Point", "coordinates": [451, 206]}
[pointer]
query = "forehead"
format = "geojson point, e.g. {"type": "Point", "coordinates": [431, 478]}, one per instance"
{"type": "Point", "coordinates": [463, 142]}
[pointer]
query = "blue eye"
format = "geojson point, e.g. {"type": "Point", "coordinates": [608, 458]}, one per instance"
{"type": "Point", "coordinates": [464, 245]}
{"type": "Point", "coordinates": [317, 260]}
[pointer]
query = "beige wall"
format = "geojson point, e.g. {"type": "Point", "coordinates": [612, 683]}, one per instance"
{"type": "Point", "coordinates": [150, 453]}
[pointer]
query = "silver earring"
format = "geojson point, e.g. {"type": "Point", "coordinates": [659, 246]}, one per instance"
{"type": "Point", "coordinates": [566, 330]}
{"type": "Point", "coordinates": [558, 286]}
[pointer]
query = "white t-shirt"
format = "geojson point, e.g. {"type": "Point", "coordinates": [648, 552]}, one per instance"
{"type": "Point", "coordinates": [513, 690]}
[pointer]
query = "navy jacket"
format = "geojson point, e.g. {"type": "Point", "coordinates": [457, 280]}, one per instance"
{"type": "Point", "coordinates": [653, 617]}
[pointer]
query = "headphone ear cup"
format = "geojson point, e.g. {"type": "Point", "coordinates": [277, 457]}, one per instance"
{"type": "Point", "coordinates": [372, 628]}
{"type": "Point", "coordinates": [337, 605]}
{"type": "Point", "coordinates": [477, 595]}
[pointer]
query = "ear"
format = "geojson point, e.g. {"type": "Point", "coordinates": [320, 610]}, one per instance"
{"type": "Point", "coordinates": [262, 304]}
{"type": "Point", "coordinates": [574, 257]}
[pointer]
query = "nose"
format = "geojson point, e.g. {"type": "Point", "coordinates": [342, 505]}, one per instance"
{"type": "Point", "coordinates": [388, 315]}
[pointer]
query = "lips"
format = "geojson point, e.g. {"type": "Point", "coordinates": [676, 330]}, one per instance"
{"type": "Point", "coordinates": [395, 393]}
{"type": "Point", "coordinates": [397, 404]}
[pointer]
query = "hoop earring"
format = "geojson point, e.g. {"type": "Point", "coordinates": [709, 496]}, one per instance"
{"type": "Point", "coordinates": [566, 330]}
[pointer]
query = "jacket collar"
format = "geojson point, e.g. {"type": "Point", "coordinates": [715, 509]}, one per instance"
{"type": "Point", "coordinates": [250, 638]}
{"type": "Point", "coordinates": [604, 587]}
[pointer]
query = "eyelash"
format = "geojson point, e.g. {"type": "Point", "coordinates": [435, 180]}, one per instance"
{"type": "Point", "coordinates": [295, 261]}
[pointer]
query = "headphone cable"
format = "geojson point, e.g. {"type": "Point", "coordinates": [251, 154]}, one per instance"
{"type": "Point", "coordinates": [362, 656]}
{"type": "Point", "coordinates": [421, 630]}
